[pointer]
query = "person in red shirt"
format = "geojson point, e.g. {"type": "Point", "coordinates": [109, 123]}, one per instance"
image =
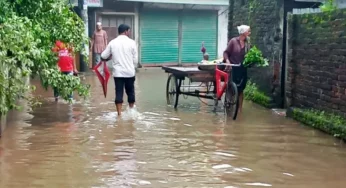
{"type": "Point", "coordinates": [66, 63]}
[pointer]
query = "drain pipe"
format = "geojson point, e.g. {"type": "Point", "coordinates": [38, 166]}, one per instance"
{"type": "Point", "coordinates": [83, 7]}
{"type": "Point", "coordinates": [284, 52]}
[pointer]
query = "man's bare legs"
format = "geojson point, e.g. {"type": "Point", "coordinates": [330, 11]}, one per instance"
{"type": "Point", "coordinates": [241, 99]}
{"type": "Point", "coordinates": [119, 107]}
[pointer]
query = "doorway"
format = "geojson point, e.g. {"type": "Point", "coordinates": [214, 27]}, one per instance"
{"type": "Point", "coordinates": [110, 24]}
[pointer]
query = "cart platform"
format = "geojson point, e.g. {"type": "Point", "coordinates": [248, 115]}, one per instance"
{"type": "Point", "coordinates": [193, 73]}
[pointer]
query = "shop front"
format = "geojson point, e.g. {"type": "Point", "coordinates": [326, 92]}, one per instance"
{"type": "Point", "coordinates": [175, 36]}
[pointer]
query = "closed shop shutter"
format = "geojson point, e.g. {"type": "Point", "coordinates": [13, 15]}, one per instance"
{"type": "Point", "coordinates": [159, 36]}
{"type": "Point", "coordinates": [198, 26]}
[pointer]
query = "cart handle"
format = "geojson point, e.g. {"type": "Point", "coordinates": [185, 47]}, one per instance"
{"type": "Point", "coordinates": [233, 65]}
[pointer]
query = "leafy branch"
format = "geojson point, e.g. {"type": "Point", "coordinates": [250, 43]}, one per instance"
{"type": "Point", "coordinates": [328, 6]}
{"type": "Point", "coordinates": [28, 31]}
{"type": "Point", "coordinates": [255, 58]}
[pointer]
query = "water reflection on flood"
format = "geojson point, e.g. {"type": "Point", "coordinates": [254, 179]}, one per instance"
{"type": "Point", "coordinates": [87, 145]}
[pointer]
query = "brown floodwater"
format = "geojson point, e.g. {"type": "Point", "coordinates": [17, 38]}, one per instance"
{"type": "Point", "coordinates": [86, 145]}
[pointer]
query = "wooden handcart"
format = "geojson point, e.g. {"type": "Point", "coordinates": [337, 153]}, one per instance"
{"type": "Point", "coordinates": [215, 82]}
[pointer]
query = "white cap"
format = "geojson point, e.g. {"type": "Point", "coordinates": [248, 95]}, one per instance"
{"type": "Point", "coordinates": [98, 23]}
{"type": "Point", "coordinates": [243, 28]}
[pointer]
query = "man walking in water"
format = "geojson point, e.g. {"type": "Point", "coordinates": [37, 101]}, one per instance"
{"type": "Point", "coordinates": [124, 61]}
{"type": "Point", "coordinates": [98, 42]}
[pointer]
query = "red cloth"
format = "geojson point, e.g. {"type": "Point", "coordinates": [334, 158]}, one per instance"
{"type": "Point", "coordinates": [65, 61]}
{"type": "Point", "coordinates": [103, 74]}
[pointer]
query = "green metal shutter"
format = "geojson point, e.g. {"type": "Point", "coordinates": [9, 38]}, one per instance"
{"type": "Point", "coordinates": [159, 37]}
{"type": "Point", "coordinates": [198, 27]}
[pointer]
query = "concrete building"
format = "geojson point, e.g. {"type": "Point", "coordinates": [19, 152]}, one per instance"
{"type": "Point", "coordinates": [338, 3]}
{"type": "Point", "coordinates": [166, 31]}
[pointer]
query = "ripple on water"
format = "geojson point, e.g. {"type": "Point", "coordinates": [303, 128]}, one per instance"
{"type": "Point", "coordinates": [288, 174]}
{"type": "Point", "coordinates": [142, 182]}
{"type": "Point", "coordinates": [224, 154]}
{"type": "Point", "coordinates": [259, 184]}
{"type": "Point", "coordinates": [174, 119]}
{"type": "Point", "coordinates": [128, 114]}
{"type": "Point", "coordinates": [152, 113]}
{"type": "Point", "coordinates": [222, 166]}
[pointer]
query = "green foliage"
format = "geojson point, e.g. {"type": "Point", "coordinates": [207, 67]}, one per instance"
{"type": "Point", "coordinates": [17, 51]}
{"type": "Point", "coordinates": [328, 6]}
{"type": "Point", "coordinates": [255, 58]}
{"type": "Point", "coordinates": [29, 29]}
{"type": "Point", "coordinates": [327, 122]}
{"type": "Point", "coordinates": [252, 93]}
{"type": "Point", "coordinates": [253, 6]}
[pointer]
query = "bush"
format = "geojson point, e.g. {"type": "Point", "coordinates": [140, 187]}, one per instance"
{"type": "Point", "coordinates": [252, 93]}
{"type": "Point", "coordinates": [326, 122]}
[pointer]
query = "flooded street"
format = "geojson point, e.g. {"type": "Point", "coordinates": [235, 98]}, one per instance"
{"type": "Point", "coordinates": [85, 145]}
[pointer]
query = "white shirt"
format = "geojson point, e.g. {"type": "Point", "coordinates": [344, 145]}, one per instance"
{"type": "Point", "coordinates": [124, 56]}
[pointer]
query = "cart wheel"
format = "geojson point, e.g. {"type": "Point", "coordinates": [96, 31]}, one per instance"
{"type": "Point", "coordinates": [231, 101]}
{"type": "Point", "coordinates": [171, 90]}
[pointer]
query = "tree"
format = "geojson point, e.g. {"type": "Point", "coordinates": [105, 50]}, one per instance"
{"type": "Point", "coordinates": [28, 31]}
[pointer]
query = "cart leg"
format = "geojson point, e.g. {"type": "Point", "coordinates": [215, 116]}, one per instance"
{"type": "Point", "coordinates": [216, 102]}
{"type": "Point", "coordinates": [178, 92]}
{"type": "Point", "coordinates": [214, 87]}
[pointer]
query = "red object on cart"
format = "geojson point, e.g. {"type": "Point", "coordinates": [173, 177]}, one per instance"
{"type": "Point", "coordinates": [103, 74]}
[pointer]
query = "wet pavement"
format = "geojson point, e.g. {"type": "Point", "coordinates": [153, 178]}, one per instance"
{"type": "Point", "coordinates": [85, 145]}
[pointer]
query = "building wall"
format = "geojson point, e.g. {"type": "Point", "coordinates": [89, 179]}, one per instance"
{"type": "Point", "coordinates": [193, 2]}
{"type": "Point", "coordinates": [316, 76]}
{"type": "Point", "coordinates": [2, 124]}
{"type": "Point", "coordinates": [90, 3]}
{"type": "Point", "coordinates": [266, 20]}
{"type": "Point", "coordinates": [222, 31]}
{"type": "Point", "coordinates": [338, 3]}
